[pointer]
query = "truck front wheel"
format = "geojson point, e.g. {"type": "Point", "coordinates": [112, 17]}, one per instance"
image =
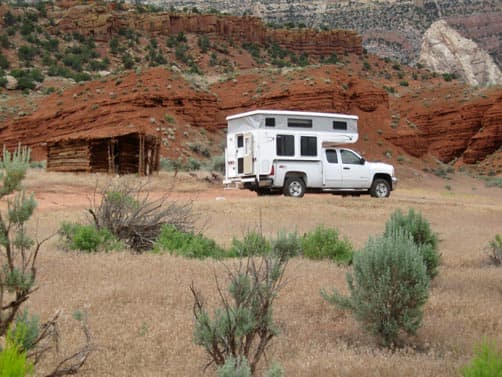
{"type": "Point", "coordinates": [294, 187]}
{"type": "Point", "coordinates": [380, 188]}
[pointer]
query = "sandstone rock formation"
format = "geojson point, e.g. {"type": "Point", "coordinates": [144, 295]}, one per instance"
{"type": "Point", "coordinates": [389, 28]}
{"type": "Point", "coordinates": [444, 50]}
{"type": "Point", "coordinates": [100, 21]}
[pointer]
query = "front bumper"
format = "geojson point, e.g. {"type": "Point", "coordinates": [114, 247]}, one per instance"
{"type": "Point", "coordinates": [394, 183]}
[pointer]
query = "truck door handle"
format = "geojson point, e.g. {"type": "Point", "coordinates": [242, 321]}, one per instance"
{"type": "Point", "coordinates": [346, 168]}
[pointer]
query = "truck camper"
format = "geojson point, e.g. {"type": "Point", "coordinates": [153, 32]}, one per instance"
{"type": "Point", "coordinates": [293, 152]}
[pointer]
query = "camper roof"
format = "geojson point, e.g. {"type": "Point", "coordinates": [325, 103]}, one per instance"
{"type": "Point", "coordinates": [291, 113]}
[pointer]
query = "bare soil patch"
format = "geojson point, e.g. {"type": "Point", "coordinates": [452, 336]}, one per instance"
{"type": "Point", "coordinates": [140, 308]}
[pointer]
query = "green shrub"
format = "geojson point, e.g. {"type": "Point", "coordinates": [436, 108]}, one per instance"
{"type": "Point", "coordinates": [487, 362]}
{"type": "Point", "coordinates": [243, 325]}
{"type": "Point", "coordinates": [88, 238]}
{"type": "Point", "coordinates": [419, 229]}
{"type": "Point", "coordinates": [186, 244]}
{"type": "Point", "coordinates": [4, 63]}
{"type": "Point", "coordinates": [217, 164]}
{"type": "Point", "coordinates": [326, 243]}
{"type": "Point", "coordinates": [25, 331]}
{"type": "Point", "coordinates": [253, 243]}
{"type": "Point", "coordinates": [286, 245]}
{"type": "Point", "coordinates": [235, 367]}
{"type": "Point", "coordinates": [13, 363]}
{"type": "Point", "coordinates": [388, 287]}
{"type": "Point", "coordinates": [495, 250]}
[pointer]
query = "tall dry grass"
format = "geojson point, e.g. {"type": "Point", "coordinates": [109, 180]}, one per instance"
{"type": "Point", "coordinates": [139, 307]}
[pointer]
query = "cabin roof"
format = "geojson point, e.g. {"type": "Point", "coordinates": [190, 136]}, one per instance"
{"type": "Point", "coordinates": [291, 113]}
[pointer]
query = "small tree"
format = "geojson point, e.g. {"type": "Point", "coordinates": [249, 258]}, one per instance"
{"type": "Point", "coordinates": [242, 328]}
{"type": "Point", "coordinates": [388, 287]}
{"type": "Point", "coordinates": [18, 258]}
{"type": "Point", "coordinates": [18, 252]}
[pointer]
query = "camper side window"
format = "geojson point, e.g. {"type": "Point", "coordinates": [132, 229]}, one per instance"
{"type": "Point", "coordinates": [337, 125]}
{"type": "Point", "coordinates": [308, 146]}
{"type": "Point", "coordinates": [269, 122]}
{"type": "Point", "coordinates": [299, 123]}
{"type": "Point", "coordinates": [240, 141]}
{"type": "Point", "coordinates": [285, 145]}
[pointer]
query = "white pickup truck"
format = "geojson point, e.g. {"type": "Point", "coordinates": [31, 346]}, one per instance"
{"type": "Point", "coordinates": [293, 152]}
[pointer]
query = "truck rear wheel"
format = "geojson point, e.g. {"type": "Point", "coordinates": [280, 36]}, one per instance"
{"type": "Point", "coordinates": [294, 187]}
{"type": "Point", "coordinates": [380, 188]}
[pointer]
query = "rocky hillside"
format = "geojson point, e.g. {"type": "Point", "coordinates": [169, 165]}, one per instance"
{"type": "Point", "coordinates": [90, 67]}
{"type": "Point", "coordinates": [389, 28]}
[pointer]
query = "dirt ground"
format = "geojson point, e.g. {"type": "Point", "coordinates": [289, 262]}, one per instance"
{"type": "Point", "coordinates": [139, 307]}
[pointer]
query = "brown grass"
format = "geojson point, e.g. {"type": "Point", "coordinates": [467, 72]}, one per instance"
{"type": "Point", "coordinates": [139, 307]}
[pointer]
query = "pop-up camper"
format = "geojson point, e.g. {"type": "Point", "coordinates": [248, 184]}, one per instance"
{"type": "Point", "coordinates": [293, 152]}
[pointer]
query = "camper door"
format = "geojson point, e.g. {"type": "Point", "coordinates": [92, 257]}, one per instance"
{"type": "Point", "coordinates": [245, 153]}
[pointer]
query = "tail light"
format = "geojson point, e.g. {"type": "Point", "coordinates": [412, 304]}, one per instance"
{"type": "Point", "coordinates": [272, 171]}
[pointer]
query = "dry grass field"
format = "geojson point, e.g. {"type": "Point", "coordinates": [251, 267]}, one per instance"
{"type": "Point", "coordinates": [139, 307]}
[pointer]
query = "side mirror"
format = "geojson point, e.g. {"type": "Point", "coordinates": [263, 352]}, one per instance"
{"type": "Point", "coordinates": [362, 161]}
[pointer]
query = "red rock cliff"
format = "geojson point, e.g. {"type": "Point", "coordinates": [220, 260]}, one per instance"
{"type": "Point", "coordinates": [101, 22]}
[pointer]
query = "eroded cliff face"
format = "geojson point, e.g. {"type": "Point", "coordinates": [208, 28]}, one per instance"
{"type": "Point", "coordinates": [101, 22]}
{"type": "Point", "coordinates": [444, 50]}
{"type": "Point", "coordinates": [450, 130]}
{"type": "Point", "coordinates": [183, 113]}
{"type": "Point", "coordinates": [389, 28]}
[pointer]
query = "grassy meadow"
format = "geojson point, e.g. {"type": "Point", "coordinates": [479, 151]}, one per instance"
{"type": "Point", "coordinates": [139, 307]}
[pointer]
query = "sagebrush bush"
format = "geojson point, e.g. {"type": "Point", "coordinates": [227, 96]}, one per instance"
{"type": "Point", "coordinates": [326, 243]}
{"type": "Point", "coordinates": [235, 367]}
{"type": "Point", "coordinates": [388, 287]}
{"type": "Point", "coordinates": [126, 210]}
{"type": "Point", "coordinates": [243, 326]}
{"type": "Point", "coordinates": [86, 237]}
{"type": "Point", "coordinates": [253, 243]}
{"type": "Point", "coordinates": [420, 230]}
{"type": "Point", "coordinates": [25, 331]}
{"type": "Point", "coordinates": [495, 250]}
{"type": "Point", "coordinates": [286, 245]}
{"type": "Point", "coordinates": [486, 362]}
{"type": "Point", "coordinates": [186, 244]}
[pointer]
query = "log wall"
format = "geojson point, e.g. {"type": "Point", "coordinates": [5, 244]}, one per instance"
{"type": "Point", "coordinates": [68, 156]}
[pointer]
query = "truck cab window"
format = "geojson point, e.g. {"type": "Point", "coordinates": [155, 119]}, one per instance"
{"type": "Point", "coordinates": [331, 156]}
{"type": "Point", "coordinates": [349, 157]}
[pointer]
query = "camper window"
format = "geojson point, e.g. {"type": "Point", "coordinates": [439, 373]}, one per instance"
{"type": "Point", "coordinates": [240, 141]}
{"type": "Point", "coordinates": [337, 125]}
{"type": "Point", "coordinates": [269, 122]}
{"type": "Point", "coordinates": [308, 146]}
{"type": "Point", "coordinates": [285, 145]}
{"type": "Point", "coordinates": [299, 123]}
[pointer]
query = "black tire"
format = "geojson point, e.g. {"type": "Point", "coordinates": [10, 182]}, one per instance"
{"type": "Point", "coordinates": [294, 187]}
{"type": "Point", "coordinates": [380, 188]}
{"type": "Point", "coordinates": [262, 191]}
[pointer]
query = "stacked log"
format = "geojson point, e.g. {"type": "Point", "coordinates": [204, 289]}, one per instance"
{"type": "Point", "coordinates": [68, 156]}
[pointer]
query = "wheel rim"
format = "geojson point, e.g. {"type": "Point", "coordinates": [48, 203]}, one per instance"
{"type": "Point", "coordinates": [295, 188]}
{"type": "Point", "coordinates": [381, 190]}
